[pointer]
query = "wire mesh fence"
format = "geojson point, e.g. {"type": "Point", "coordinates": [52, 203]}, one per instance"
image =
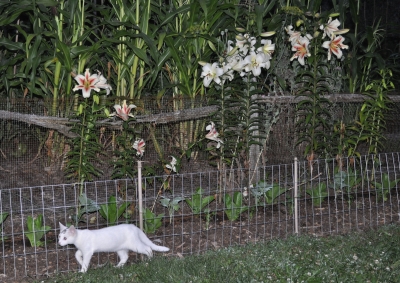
{"type": "Point", "coordinates": [33, 155]}
{"type": "Point", "coordinates": [195, 212]}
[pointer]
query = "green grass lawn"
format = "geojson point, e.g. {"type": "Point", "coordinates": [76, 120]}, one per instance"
{"type": "Point", "coordinates": [373, 256]}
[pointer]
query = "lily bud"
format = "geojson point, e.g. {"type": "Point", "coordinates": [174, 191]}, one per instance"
{"type": "Point", "coordinates": [240, 37]}
{"type": "Point", "coordinates": [317, 15]}
{"type": "Point", "coordinates": [268, 33]}
{"type": "Point", "coordinates": [202, 63]}
{"type": "Point", "coordinates": [334, 15]}
{"type": "Point", "coordinates": [341, 31]}
{"type": "Point", "coordinates": [299, 22]}
{"type": "Point", "coordinates": [240, 29]}
{"type": "Point", "coordinates": [233, 51]}
{"type": "Point", "coordinates": [316, 33]}
{"type": "Point", "coordinates": [212, 46]}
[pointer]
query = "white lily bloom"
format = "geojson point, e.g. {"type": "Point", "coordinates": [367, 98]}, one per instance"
{"type": "Point", "coordinates": [254, 62]}
{"type": "Point", "coordinates": [245, 43]}
{"type": "Point", "coordinates": [211, 73]}
{"type": "Point", "coordinates": [330, 28]}
{"type": "Point", "coordinates": [268, 47]}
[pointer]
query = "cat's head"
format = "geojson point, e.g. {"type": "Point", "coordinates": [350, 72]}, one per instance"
{"type": "Point", "coordinates": [67, 235]}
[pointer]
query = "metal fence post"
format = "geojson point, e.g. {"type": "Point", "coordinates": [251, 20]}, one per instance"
{"type": "Point", "coordinates": [140, 195]}
{"type": "Point", "coordinates": [296, 200]}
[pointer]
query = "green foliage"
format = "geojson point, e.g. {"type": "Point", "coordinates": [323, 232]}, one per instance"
{"type": "Point", "coordinates": [384, 186]}
{"type": "Point", "coordinates": [111, 212]}
{"type": "Point", "coordinates": [3, 217]}
{"type": "Point", "coordinates": [346, 181]}
{"type": "Point", "coordinates": [85, 148]}
{"type": "Point", "coordinates": [151, 221]}
{"type": "Point", "coordinates": [172, 205]}
{"type": "Point", "coordinates": [124, 163]}
{"type": "Point", "coordinates": [86, 205]}
{"type": "Point", "coordinates": [36, 230]}
{"type": "Point", "coordinates": [318, 194]}
{"type": "Point", "coordinates": [371, 121]}
{"type": "Point", "coordinates": [197, 202]}
{"type": "Point", "coordinates": [234, 206]}
{"type": "Point", "coordinates": [268, 190]}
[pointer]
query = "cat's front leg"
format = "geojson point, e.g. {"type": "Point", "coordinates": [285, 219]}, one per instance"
{"type": "Point", "coordinates": [86, 261]}
{"type": "Point", "coordinates": [79, 257]}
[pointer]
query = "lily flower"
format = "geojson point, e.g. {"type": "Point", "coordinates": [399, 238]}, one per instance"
{"type": "Point", "coordinates": [255, 61]}
{"type": "Point", "coordinates": [244, 42]}
{"type": "Point", "coordinates": [211, 73]}
{"type": "Point", "coordinates": [330, 27]}
{"type": "Point", "coordinates": [294, 36]}
{"type": "Point", "coordinates": [139, 146]}
{"type": "Point", "coordinates": [301, 48]}
{"type": "Point", "coordinates": [172, 166]}
{"type": "Point", "coordinates": [268, 47]}
{"type": "Point", "coordinates": [123, 111]}
{"type": "Point", "coordinates": [213, 134]}
{"type": "Point", "coordinates": [335, 46]}
{"type": "Point", "coordinates": [90, 82]}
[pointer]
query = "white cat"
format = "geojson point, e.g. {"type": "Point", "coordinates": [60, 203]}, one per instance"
{"type": "Point", "coordinates": [120, 239]}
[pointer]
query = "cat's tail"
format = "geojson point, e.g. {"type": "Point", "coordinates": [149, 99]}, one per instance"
{"type": "Point", "coordinates": [159, 248]}
{"type": "Point", "coordinates": [149, 243]}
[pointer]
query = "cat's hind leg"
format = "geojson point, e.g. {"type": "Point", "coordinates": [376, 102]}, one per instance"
{"type": "Point", "coordinates": [123, 256]}
{"type": "Point", "coordinates": [144, 249]}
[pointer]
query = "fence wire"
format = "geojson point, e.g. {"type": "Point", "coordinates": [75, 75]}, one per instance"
{"type": "Point", "coordinates": [195, 212]}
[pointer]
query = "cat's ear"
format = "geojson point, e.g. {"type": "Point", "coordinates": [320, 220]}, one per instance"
{"type": "Point", "coordinates": [72, 229]}
{"type": "Point", "coordinates": [62, 227]}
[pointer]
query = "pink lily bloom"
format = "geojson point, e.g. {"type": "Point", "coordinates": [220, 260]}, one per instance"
{"type": "Point", "coordinates": [139, 146]}
{"type": "Point", "coordinates": [330, 27]}
{"type": "Point", "coordinates": [335, 46]}
{"type": "Point", "coordinates": [123, 111]}
{"type": "Point", "coordinates": [89, 82]}
{"type": "Point", "coordinates": [213, 134]}
{"type": "Point", "coordinates": [172, 166]}
{"type": "Point", "coordinates": [301, 48]}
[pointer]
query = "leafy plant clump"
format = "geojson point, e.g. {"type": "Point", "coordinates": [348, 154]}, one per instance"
{"type": "Point", "coordinates": [151, 221]}
{"type": "Point", "coordinates": [234, 206]}
{"type": "Point", "coordinates": [111, 212]}
{"type": "Point", "coordinates": [172, 205]}
{"type": "Point", "coordinates": [318, 194]}
{"type": "Point", "coordinates": [36, 230]}
{"type": "Point", "coordinates": [383, 188]}
{"type": "Point", "coordinates": [197, 202]}
{"type": "Point", "coordinates": [268, 190]}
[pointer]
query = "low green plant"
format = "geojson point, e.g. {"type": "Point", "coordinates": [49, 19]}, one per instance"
{"type": "Point", "coordinates": [318, 193]}
{"type": "Point", "coordinates": [269, 191]}
{"type": "Point", "coordinates": [346, 181]}
{"type": "Point", "coordinates": [151, 221]}
{"type": "Point", "coordinates": [172, 205]}
{"type": "Point", "coordinates": [111, 212]}
{"type": "Point", "coordinates": [208, 213]}
{"type": "Point", "coordinates": [3, 217]}
{"type": "Point", "coordinates": [86, 205]}
{"type": "Point", "coordinates": [234, 206]}
{"type": "Point", "coordinates": [197, 202]}
{"type": "Point", "coordinates": [36, 230]}
{"type": "Point", "coordinates": [383, 188]}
